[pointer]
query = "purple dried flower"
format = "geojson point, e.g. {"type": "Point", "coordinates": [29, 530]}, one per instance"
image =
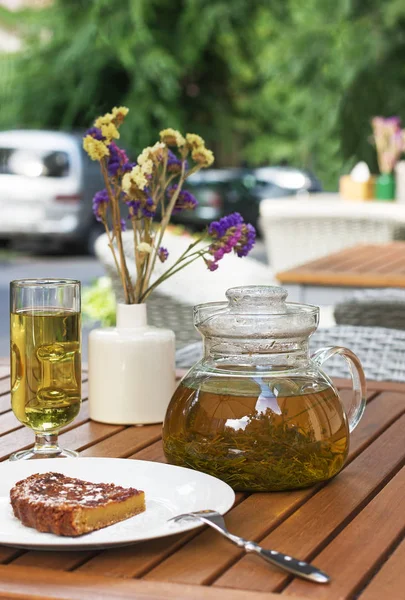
{"type": "Point", "coordinates": [143, 206]}
{"type": "Point", "coordinates": [185, 201]}
{"type": "Point", "coordinates": [95, 132]}
{"type": "Point", "coordinates": [247, 241]}
{"type": "Point", "coordinates": [173, 163]}
{"type": "Point", "coordinates": [211, 264]}
{"type": "Point", "coordinates": [229, 234]}
{"type": "Point", "coordinates": [148, 207]}
{"type": "Point", "coordinates": [117, 160]}
{"type": "Point", "coordinates": [113, 164]}
{"type": "Point", "coordinates": [123, 225]}
{"type": "Point", "coordinates": [218, 254]}
{"type": "Point", "coordinates": [134, 208]}
{"type": "Point", "coordinates": [127, 167]}
{"type": "Point", "coordinates": [218, 229]}
{"type": "Point", "coordinates": [100, 202]}
{"type": "Point", "coordinates": [163, 254]}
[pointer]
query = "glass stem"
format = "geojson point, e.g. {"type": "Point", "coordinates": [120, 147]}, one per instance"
{"type": "Point", "coordinates": [46, 443]}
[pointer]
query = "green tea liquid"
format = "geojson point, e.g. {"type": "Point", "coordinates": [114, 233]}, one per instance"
{"type": "Point", "coordinates": [45, 368]}
{"type": "Point", "coordinates": [259, 438]}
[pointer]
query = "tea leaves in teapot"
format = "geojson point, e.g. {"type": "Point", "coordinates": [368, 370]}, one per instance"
{"type": "Point", "coordinates": [252, 444]}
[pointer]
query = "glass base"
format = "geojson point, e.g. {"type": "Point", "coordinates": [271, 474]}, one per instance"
{"type": "Point", "coordinates": [46, 446]}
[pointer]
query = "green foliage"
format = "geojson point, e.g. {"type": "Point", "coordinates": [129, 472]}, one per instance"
{"type": "Point", "coordinates": [261, 80]}
{"type": "Point", "coordinates": [98, 303]}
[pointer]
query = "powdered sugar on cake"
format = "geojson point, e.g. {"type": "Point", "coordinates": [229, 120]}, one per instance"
{"type": "Point", "coordinates": [55, 489]}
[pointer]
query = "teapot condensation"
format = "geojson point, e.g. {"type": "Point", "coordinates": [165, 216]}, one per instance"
{"type": "Point", "coordinates": [257, 411]}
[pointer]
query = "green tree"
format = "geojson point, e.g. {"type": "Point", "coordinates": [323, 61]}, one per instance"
{"type": "Point", "coordinates": [174, 63]}
{"type": "Point", "coordinates": [261, 80]}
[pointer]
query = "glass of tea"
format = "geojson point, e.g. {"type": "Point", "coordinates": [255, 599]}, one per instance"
{"type": "Point", "coordinates": [45, 348]}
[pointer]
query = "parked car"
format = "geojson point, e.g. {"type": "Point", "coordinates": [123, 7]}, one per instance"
{"type": "Point", "coordinates": [220, 191]}
{"type": "Point", "coordinates": [47, 183]}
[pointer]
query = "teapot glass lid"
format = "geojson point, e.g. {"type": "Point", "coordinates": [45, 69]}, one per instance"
{"type": "Point", "coordinates": [256, 311]}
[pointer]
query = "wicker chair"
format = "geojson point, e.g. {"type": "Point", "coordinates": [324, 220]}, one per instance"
{"type": "Point", "coordinates": [381, 351]}
{"type": "Point", "coordinates": [373, 308]}
{"type": "Point", "coordinates": [296, 231]}
{"type": "Point", "coordinates": [164, 311]}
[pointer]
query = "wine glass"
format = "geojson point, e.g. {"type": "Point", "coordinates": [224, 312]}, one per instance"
{"type": "Point", "coordinates": [45, 353]}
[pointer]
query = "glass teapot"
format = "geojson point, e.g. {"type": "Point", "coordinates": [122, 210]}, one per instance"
{"type": "Point", "coordinates": [257, 411]}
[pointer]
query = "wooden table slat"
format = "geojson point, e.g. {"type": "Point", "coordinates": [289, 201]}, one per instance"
{"type": "Point", "coordinates": [358, 548]}
{"type": "Point", "coordinates": [9, 422]}
{"type": "Point", "coordinates": [373, 265]}
{"type": "Point", "coordinates": [4, 371]}
{"type": "Point", "coordinates": [364, 259]}
{"type": "Point", "coordinates": [154, 453]}
{"type": "Point", "coordinates": [390, 579]}
{"type": "Point", "coordinates": [4, 385]}
{"type": "Point", "coordinates": [5, 402]}
{"type": "Point", "coordinates": [372, 259]}
{"type": "Point", "coordinates": [126, 442]}
{"type": "Point", "coordinates": [76, 438]}
{"type": "Point", "coordinates": [34, 583]}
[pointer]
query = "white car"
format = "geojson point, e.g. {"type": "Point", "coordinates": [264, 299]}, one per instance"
{"type": "Point", "coordinates": [47, 183]}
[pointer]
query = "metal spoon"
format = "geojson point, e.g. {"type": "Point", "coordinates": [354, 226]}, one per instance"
{"type": "Point", "coordinates": [299, 568]}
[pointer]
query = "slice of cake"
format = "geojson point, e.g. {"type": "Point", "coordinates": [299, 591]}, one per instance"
{"type": "Point", "coordinates": [55, 503]}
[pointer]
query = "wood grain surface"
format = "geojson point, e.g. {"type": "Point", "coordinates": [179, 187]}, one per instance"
{"type": "Point", "coordinates": [371, 265]}
{"type": "Point", "coordinates": [352, 527]}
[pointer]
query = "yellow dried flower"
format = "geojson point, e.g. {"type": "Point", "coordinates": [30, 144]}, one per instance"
{"type": "Point", "coordinates": [147, 167]}
{"type": "Point", "coordinates": [145, 162]}
{"type": "Point", "coordinates": [109, 131]}
{"type": "Point", "coordinates": [172, 137]}
{"type": "Point", "coordinates": [119, 113]}
{"type": "Point", "coordinates": [144, 247]}
{"type": "Point", "coordinates": [136, 178]}
{"type": "Point", "coordinates": [96, 149]}
{"type": "Point", "coordinates": [144, 156]}
{"type": "Point", "coordinates": [106, 119]}
{"type": "Point", "coordinates": [157, 150]}
{"type": "Point", "coordinates": [152, 153]}
{"type": "Point", "coordinates": [203, 156]}
{"type": "Point", "coordinates": [126, 183]}
{"type": "Point", "coordinates": [115, 118]}
{"type": "Point", "coordinates": [194, 140]}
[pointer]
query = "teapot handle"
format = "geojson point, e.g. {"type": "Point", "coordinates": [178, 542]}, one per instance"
{"type": "Point", "coordinates": [358, 378]}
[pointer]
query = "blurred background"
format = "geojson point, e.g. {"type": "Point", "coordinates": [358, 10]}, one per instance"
{"type": "Point", "coordinates": [283, 92]}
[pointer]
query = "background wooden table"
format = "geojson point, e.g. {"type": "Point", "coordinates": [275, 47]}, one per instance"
{"type": "Point", "coordinates": [363, 266]}
{"type": "Point", "coordinates": [351, 527]}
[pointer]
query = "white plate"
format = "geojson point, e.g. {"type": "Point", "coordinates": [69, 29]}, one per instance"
{"type": "Point", "coordinates": [169, 491]}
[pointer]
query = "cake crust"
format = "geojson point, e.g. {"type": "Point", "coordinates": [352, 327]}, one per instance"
{"type": "Point", "coordinates": [66, 506]}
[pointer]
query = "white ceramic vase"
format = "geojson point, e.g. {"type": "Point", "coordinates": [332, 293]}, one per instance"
{"type": "Point", "coordinates": [131, 369]}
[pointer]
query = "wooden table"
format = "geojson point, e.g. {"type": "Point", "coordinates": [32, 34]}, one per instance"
{"type": "Point", "coordinates": [327, 279]}
{"type": "Point", "coordinates": [351, 527]}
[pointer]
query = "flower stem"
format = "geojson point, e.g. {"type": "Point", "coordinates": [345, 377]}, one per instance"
{"type": "Point", "coordinates": [163, 225]}
{"type": "Point", "coordinates": [169, 273]}
{"type": "Point", "coordinates": [125, 277]}
{"type": "Point", "coordinates": [111, 246]}
{"type": "Point", "coordinates": [182, 257]}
